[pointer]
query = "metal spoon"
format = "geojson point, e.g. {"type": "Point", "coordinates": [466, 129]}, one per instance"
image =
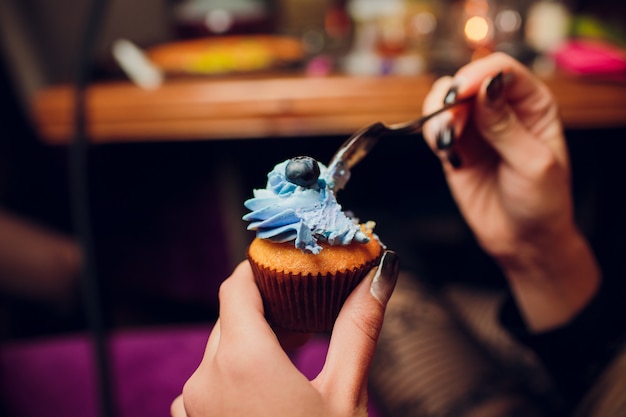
{"type": "Point", "coordinates": [359, 144]}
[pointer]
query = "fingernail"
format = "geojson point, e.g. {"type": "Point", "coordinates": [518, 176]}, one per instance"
{"type": "Point", "coordinates": [451, 95]}
{"type": "Point", "coordinates": [454, 159]}
{"type": "Point", "coordinates": [386, 276]}
{"type": "Point", "coordinates": [495, 88]}
{"type": "Point", "coordinates": [445, 138]}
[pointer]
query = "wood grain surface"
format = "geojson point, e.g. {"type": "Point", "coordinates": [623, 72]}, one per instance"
{"type": "Point", "coordinates": [280, 106]}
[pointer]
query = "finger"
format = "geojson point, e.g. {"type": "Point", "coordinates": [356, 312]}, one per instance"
{"type": "Point", "coordinates": [525, 109]}
{"type": "Point", "coordinates": [498, 123]}
{"type": "Point", "coordinates": [442, 132]}
{"type": "Point", "coordinates": [356, 331]}
{"type": "Point", "coordinates": [469, 78]}
{"type": "Point", "coordinates": [432, 102]}
{"type": "Point", "coordinates": [522, 134]}
{"type": "Point", "coordinates": [214, 340]}
{"type": "Point", "coordinates": [177, 409]}
{"type": "Point", "coordinates": [241, 309]}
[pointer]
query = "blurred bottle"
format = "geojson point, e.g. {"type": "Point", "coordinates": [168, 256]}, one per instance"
{"type": "Point", "coordinates": [200, 18]}
{"type": "Point", "coordinates": [547, 26]}
{"type": "Point", "coordinates": [322, 26]}
{"type": "Point", "coordinates": [364, 57]}
{"type": "Point", "coordinates": [390, 36]}
{"type": "Point", "coordinates": [419, 23]}
{"type": "Point", "coordinates": [422, 21]}
{"type": "Point", "coordinates": [509, 34]}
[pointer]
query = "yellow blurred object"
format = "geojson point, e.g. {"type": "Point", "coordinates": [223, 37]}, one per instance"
{"type": "Point", "coordinates": [223, 55]}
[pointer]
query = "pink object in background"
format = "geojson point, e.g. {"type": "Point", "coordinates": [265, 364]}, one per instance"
{"type": "Point", "coordinates": [592, 58]}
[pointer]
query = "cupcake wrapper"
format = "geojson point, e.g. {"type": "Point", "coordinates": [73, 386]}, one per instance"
{"type": "Point", "coordinates": [305, 303]}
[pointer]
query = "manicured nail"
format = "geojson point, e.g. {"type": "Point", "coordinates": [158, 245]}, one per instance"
{"type": "Point", "coordinates": [445, 138]}
{"type": "Point", "coordinates": [386, 276]}
{"type": "Point", "coordinates": [495, 88]}
{"type": "Point", "coordinates": [451, 95]}
{"type": "Point", "coordinates": [454, 159]}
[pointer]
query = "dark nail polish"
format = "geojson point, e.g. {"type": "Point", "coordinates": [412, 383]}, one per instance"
{"type": "Point", "coordinates": [445, 138]}
{"type": "Point", "coordinates": [454, 159]}
{"type": "Point", "coordinates": [386, 276]}
{"type": "Point", "coordinates": [450, 95]}
{"type": "Point", "coordinates": [495, 88]}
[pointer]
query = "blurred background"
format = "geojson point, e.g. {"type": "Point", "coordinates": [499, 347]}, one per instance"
{"type": "Point", "coordinates": [166, 205]}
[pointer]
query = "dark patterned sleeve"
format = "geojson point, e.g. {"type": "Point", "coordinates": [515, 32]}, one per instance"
{"type": "Point", "coordinates": [576, 353]}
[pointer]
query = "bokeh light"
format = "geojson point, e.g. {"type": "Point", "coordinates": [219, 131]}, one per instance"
{"type": "Point", "coordinates": [477, 30]}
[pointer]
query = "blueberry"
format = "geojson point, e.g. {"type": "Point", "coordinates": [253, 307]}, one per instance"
{"type": "Point", "coordinates": [303, 171]}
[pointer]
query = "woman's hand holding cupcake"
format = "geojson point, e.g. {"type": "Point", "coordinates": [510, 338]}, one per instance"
{"type": "Point", "coordinates": [505, 159]}
{"type": "Point", "coordinates": [245, 370]}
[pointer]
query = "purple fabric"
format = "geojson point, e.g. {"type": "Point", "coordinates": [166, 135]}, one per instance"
{"type": "Point", "coordinates": [55, 378]}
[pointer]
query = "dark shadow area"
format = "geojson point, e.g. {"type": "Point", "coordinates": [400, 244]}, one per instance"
{"type": "Point", "coordinates": [161, 234]}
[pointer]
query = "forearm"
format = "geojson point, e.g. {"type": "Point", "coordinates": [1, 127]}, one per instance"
{"type": "Point", "coordinates": [552, 281]}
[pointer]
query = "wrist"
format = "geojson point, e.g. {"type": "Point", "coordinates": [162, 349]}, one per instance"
{"type": "Point", "coordinates": [552, 279]}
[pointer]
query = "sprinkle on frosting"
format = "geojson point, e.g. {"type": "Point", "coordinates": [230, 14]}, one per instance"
{"type": "Point", "coordinates": [297, 204]}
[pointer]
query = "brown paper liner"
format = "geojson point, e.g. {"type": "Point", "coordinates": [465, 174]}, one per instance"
{"type": "Point", "coordinates": [306, 303]}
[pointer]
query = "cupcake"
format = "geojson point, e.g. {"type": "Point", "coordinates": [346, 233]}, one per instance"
{"type": "Point", "coordinates": [308, 254]}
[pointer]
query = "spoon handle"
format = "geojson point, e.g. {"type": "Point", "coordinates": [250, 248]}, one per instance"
{"type": "Point", "coordinates": [360, 144]}
{"type": "Point", "coordinates": [416, 125]}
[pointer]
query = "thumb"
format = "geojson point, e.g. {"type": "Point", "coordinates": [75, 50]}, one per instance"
{"type": "Point", "coordinates": [356, 331]}
{"type": "Point", "coordinates": [499, 123]}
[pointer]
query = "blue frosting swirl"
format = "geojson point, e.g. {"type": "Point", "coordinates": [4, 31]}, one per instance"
{"type": "Point", "coordinates": [284, 211]}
